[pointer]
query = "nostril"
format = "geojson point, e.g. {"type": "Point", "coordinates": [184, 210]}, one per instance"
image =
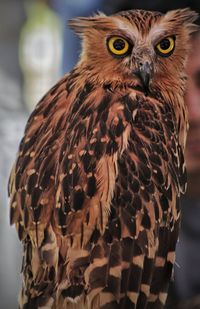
{"type": "Point", "coordinates": [140, 64]}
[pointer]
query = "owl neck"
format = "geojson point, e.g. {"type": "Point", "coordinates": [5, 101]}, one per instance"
{"type": "Point", "coordinates": [171, 89]}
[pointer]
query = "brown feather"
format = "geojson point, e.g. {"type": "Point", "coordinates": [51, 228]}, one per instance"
{"type": "Point", "coordinates": [95, 187]}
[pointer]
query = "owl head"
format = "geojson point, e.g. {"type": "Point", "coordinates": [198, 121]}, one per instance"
{"type": "Point", "coordinates": [145, 48]}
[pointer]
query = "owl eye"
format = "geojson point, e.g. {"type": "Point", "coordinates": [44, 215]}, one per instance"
{"type": "Point", "coordinates": [118, 46]}
{"type": "Point", "coordinates": [166, 47]}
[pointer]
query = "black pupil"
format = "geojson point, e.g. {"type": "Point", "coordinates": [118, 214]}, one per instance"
{"type": "Point", "coordinates": [165, 44]}
{"type": "Point", "coordinates": [119, 44]}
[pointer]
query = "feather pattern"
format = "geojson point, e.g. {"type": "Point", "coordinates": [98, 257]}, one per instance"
{"type": "Point", "coordinates": [95, 187]}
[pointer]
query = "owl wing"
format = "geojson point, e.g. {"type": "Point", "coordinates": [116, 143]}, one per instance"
{"type": "Point", "coordinates": [131, 263]}
{"type": "Point", "coordinates": [151, 177]}
{"type": "Point", "coordinates": [31, 183]}
{"type": "Point", "coordinates": [32, 194]}
{"type": "Point", "coordinates": [64, 177]}
{"type": "Point", "coordinates": [100, 171]}
{"type": "Point", "coordinates": [131, 247]}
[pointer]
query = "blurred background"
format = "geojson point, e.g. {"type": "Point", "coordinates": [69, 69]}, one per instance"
{"type": "Point", "coordinates": [36, 49]}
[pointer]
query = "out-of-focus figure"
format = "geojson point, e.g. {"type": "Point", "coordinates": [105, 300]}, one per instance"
{"type": "Point", "coordinates": [187, 272]}
{"type": "Point", "coordinates": [193, 102]}
{"type": "Point", "coordinates": [40, 50]}
{"type": "Point", "coordinates": [48, 49]}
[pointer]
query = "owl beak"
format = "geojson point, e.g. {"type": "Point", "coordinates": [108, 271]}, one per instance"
{"type": "Point", "coordinates": [144, 73]}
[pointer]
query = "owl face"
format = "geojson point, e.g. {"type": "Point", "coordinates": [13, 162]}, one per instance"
{"type": "Point", "coordinates": [141, 56]}
{"type": "Point", "coordinates": [143, 47]}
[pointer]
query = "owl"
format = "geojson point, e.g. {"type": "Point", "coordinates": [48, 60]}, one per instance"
{"type": "Point", "coordinates": [94, 192]}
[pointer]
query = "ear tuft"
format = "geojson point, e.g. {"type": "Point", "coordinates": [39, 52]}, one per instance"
{"type": "Point", "coordinates": [81, 24]}
{"type": "Point", "coordinates": [185, 17]}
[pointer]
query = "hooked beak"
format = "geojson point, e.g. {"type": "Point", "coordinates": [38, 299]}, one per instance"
{"type": "Point", "coordinates": [144, 73]}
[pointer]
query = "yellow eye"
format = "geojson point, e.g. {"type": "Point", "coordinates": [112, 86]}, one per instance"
{"type": "Point", "coordinates": [166, 46]}
{"type": "Point", "coordinates": [118, 45]}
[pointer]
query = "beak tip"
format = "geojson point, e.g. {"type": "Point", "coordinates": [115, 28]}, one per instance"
{"type": "Point", "coordinates": [144, 74]}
